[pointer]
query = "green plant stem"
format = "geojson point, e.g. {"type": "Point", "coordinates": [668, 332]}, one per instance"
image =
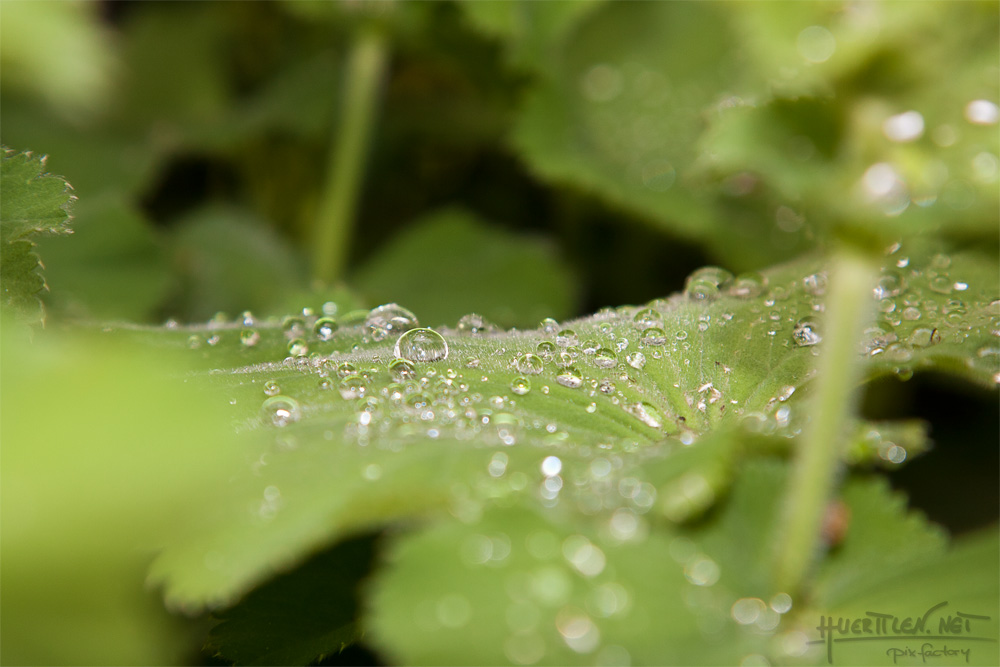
{"type": "Point", "coordinates": [817, 458]}
{"type": "Point", "coordinates": [366, 67]}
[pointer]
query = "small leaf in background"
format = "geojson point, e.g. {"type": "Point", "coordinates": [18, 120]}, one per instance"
{"type": "Point", "coordinates": [227, 260]}
{"type": "Point", "coordinates": [113, 267]}
{"type": "Point", "coordinates": [451, 264]}
{"type": "Point", "coordinates": [33, 203]}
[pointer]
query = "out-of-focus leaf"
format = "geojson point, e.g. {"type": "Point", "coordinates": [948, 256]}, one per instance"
{"type": "Point", "coordinates": [545, 589]}
{"type": "Point", "coordinates": [33, 203]}
{"type": "Point", "coordinates": [874, 506]}
{"type": "Point", "coordinates": [58, 52]}
{"type": "Point", "coordinates": [113, 267]}
{"type": "Point", "coordinates": [955, 594]}
{"type": "Point", "coordinates": [99, 158]}
{"type": "Point", "coordinates": [175, 64]}
{"type": "Point", "coordinates": [300, 616]}
{"type": "Point", "coordinates": [89, 496]}
{"type": "Point", "coordinates": [808, 121]}
{"type": "Point", "coordinates": [621, 114]}
{"type": "Point", "coordinates": [531, 32]}
{"type": "Point", "coordinates": [230, 261]}
{"type": "Point", "coordinates": [299, 101]}
{"type": "Point", "coordinates": [451, 263]}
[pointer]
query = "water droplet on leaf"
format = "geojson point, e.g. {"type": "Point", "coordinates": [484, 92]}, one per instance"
{"type": "Point", "coordinates": [475, 324]}
{"type": "Point", "coordinates": [389, 320]}
{"type": "Point", "coordinates": [570, 377]}
{"type": "Point", "coordinates": [421, 345]}
{"type": "Point", "coordinates": [325, 328]}
{"type": "Point", "coordinates": [806, 334]}
{"type": "Point", "coordinates": [520, 386]}
{"type": "Point", "coordinates": [281, 410]}
{"type": "Point", "coordinates": [529, 364]}
{"type": "Point", "coordinates": [705, 283]}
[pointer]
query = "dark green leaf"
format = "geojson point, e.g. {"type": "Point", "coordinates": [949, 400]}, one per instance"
{"type": "Point", "coordinates": [298, 617]}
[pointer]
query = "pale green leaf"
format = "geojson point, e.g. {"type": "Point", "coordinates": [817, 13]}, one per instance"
{"type": "Point", "coordinates": [106, 454]}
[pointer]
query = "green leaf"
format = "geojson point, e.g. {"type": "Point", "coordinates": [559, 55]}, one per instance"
{"type": "Point", "coordinates": [230, 261]}
{"type": "Point", "coordinates": [531, 32]}
{"type": "Point", "coordinates": [539, 587]}
{"type": "Point", "coordinates": [89, 495]}
{"type": "Point", "coordinates": [960, 580]}
{"type": "Point", "coordinates": [760, 150]}
{"type": "Point", "coordinates": [544, 587]}
{"type": "Point", "coordinates": [873, 507]}
{"type": "Point", "coordinates": [298, 617]}
{"type": "Point", "coordinates": [113, 267]}
{"type": "Point", "coordinates": [341, 442]}
{"type": "Point", "coordinates": [621, 112]}
{"type": "Point", "coordinates": [33, 203]}
{"type": "Point", "coordinates": [450, 264]}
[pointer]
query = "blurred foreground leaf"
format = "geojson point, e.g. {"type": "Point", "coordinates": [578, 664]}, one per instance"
{"type": "Point", "coordinates": [106, 455]}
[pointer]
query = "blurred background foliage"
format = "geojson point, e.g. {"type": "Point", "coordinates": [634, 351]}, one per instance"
{"type": "Point", "coordinates": [601, 149]}
{"type": "Point", "coordinates": [527, 159]}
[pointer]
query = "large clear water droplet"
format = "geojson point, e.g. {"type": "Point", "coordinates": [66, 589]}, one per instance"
{"type": "Point", "coordinates": [389, 320]}
{"type": "Point", "coordinates": [636, 360]}
{"type": "Point", "coordinates": [549, 325]}
{"type": "Point", "coordinates": [653, 336]}
{"type": "Point", "coordinates": [402, 369]}
{"type": "Point", "coordinates": [249, 337]}
{"type": "Point", "coordinates": [346, 368]}
{"type": "Point", "coordinates": [297, 347]}
{"type": "Point", "coordinates": [546, 350]}
{"type": "Point", "coordinates": [566, 338]}
{"type": "Point", "coordinates": [890, 284]}
{"type": "Point", "coordinates": [353, 386]}
{"type": "Point", "coordinates": [421, 345]}
{"type": "Point", "coordinates": [647, 414]}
